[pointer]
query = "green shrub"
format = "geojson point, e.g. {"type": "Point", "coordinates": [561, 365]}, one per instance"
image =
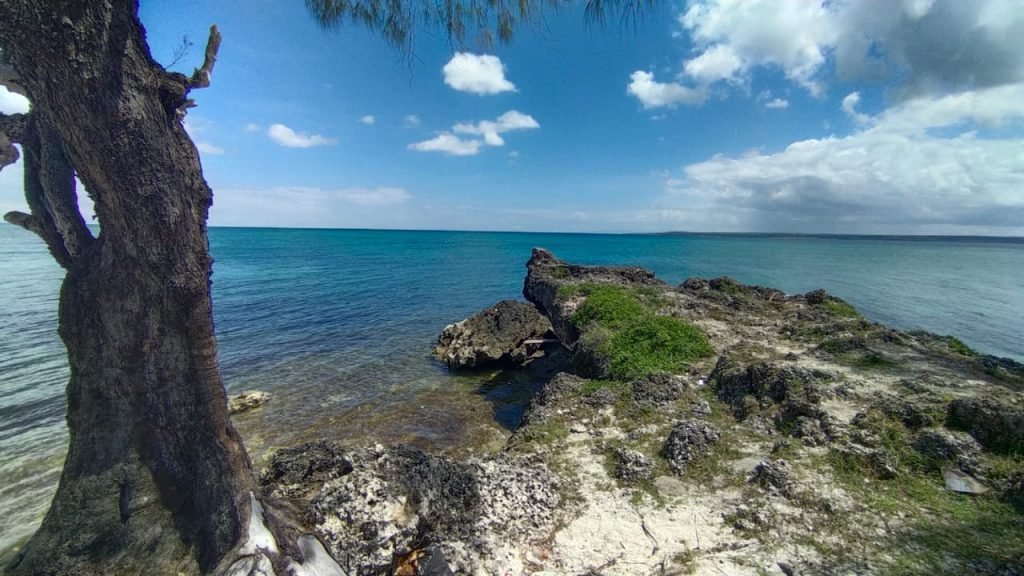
{"type": "Point", "coordinates": [632, 338]}
{"type": "Point", "coordinates": [840, 308]}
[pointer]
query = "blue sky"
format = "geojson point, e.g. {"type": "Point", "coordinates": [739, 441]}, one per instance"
{"type": "Point", "coordinates": [872, 116]}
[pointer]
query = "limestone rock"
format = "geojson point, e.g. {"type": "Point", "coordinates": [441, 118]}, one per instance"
{"type": "Point", "coordinates": [632, 466]}
{"type": "Point", "coordinates": [657, 390]}
{"type": "Point", "coordinates": [998, 425]}
{"type": "Point", "coordinates": [688, 440]}
{"type": "Point", "coordinates": [479, 513]}
{"type": "Point", "coordinates": [774, 476]}
{"type": "Point", "coordinates": [246, 401]}
{"type": "Point", "coordinates": [496, 335]}
{"type": "Point", "coordinates": [948, 446]}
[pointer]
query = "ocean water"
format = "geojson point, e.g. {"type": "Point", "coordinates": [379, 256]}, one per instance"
{"type": "Point", "coordinates": [338, 324]}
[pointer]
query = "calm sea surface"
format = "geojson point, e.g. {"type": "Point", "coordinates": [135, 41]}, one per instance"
{"type": "Point", "coordinates": [338, 326]}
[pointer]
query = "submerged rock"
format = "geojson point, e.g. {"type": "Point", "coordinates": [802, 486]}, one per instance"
{"type": "Point", "coordinates": [688, 440]}
{"type": "Point", "coordinates": [505, 334]}
{"type": "Point", "coordinates": [246, 401]}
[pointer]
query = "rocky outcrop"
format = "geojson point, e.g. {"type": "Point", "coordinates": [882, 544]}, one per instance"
{"type": "Point", "coordinates": [504, 335]}
{"type": "Point", "coordinates": [997, 425]}
{"type": "Point", "coordinates": [657, 389]}
{"type": "Point", "coordinates": [546, 274]}
{"type": "Point", "coordinates": [380, 504]}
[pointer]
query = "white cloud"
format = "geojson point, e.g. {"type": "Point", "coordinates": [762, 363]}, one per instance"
{"type": "Point", "coordinates": [918, 47]}
{"type": "Point", "coordinates": [720, 62]}
{"type": "Point", "coordinates": [507, 122]}
{"type": "Point", "coordinates": [289, 138]}
{"type": "Point", "coordinates": [450, 144]}
{"type": "Point", "coordinates": [412, 120]}
{"type": "Point", "coordinates": [736, 35]}
{"type": "Point", "coordinates": [654, 94]}
{"type": "Point", "coordinates": [11, 103]}
{"type": "Point", "coordinates": [197, 125]}
{"type": "Point", "coordinates": [777, 103]}
{"type": "Point", "coordinates": [490, 130]}
{"type": "Point", "coordinates": [895, 176]}
{"type": "Point", "coordinates": [849, 105]}
{"type": "Point", "coordinates": [479, 74]}
{"type": "Point", "coordinates": [304, 206]}
{"type": "Point", "coordinates": [368, 119]}
{"type": "Point", "coordinates": [207, 148]}
{"type": "Point", "coordinates": [251, 128]}
{"type": "Point", "coordinates": [374, 196]}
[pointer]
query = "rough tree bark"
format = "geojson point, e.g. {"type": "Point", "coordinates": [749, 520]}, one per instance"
{"type": "Point", "coordinates": [156, 479]}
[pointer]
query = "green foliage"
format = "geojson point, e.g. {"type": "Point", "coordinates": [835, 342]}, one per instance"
{"type": "Point", "coordinates": [958, 347]}
{"type": "Point", "coordinates": [481, 20]}
{"type": "Point", "coordinates": [840, 308]}
{"type": "Point", "coordinates": [621, 325]}
{"type": "Point", "coordinates": [610, 307]}
{"type": "Point", "coordinates": [653, 344]}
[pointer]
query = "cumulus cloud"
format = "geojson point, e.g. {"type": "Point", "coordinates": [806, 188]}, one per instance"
{"type": "Point", "coordinates": [477, 73]}
{"type": "Point", "coordinates": [849, 105]}
{"type": "Point", "coordinates": [490, 130]}
{"type": "Point", "coordinates": [897, 175]}
{"type": "Point", "coordinates": [289, 138]}
{"type": "Point", "coordinates": [412, 120]}
{"type": "Point", "coordinates": [777, 103]}
{"type": "Point", "coordinates": [507, 122]}
{"type": "Point", "coordinates": [251, 128]}
{"type": "Point", "coordinates": [449, 144]}
{"type": "Point", "coordinates": [368, 119]}
{"type": "Point", "coordinates": [654, 94]}
{"type": "Point", "coordinates": [926, 46]}
{"type": "Point", "coordinates": [11, 103]}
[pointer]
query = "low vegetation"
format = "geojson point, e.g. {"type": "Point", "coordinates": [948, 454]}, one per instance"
{"type": "Point", "coordinates": [622, 326]}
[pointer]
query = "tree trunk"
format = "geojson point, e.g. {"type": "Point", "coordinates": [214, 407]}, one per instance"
{"type": "Point", "coordinates": [155, 472]}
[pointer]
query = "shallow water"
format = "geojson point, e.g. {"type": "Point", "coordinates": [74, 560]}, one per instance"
{"type": "Point", "coordinates": [338, 326]}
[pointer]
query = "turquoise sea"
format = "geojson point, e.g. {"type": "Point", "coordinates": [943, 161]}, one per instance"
{"type": "Point", "coordinates": [338, 325]}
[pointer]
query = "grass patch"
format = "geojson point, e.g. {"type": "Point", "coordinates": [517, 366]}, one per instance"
{"type": "Point", "coordinates": [840, 308]}
{"type": "Point", "coordinates": [958, 347]}
{"type": "Point", "coordinates": [936, 531]}
{"type": "Point", "coordinates": [875, 361]}
{"type": "Point", "coordinates": [621, 325]}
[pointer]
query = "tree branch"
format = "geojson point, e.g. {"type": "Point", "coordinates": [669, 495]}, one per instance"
{"type": "Point", "coordinates": [26, 221]}
{"type": "Point", "coordinates": [201, 76]}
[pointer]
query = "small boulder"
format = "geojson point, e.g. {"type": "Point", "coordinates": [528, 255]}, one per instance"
{"type": "Point", "coordinates": [773, 476]}
{"type": "Point", "coordinates": [246, 401]}
{"type": "Point", "coordinates": [632, 466]}
{"type": "Point", "coordinates": [948, 447]}
{"type": "Point", "coordinates": [311, 464]}
{"type": "Point", "coordinates": [998, 425]}
{"type": "Point", "coordinates": [688, 440]}
{"type": "Point", "coordinates": [657, 390]}
{"type": "Point", "coordinates": [502, 335]}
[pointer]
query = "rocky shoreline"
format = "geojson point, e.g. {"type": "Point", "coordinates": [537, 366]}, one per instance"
{"type": "Point", "coordinates": [709, 427]}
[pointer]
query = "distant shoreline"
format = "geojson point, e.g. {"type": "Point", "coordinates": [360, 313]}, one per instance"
{"type": "Point", "coordinates": [783, 235]}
